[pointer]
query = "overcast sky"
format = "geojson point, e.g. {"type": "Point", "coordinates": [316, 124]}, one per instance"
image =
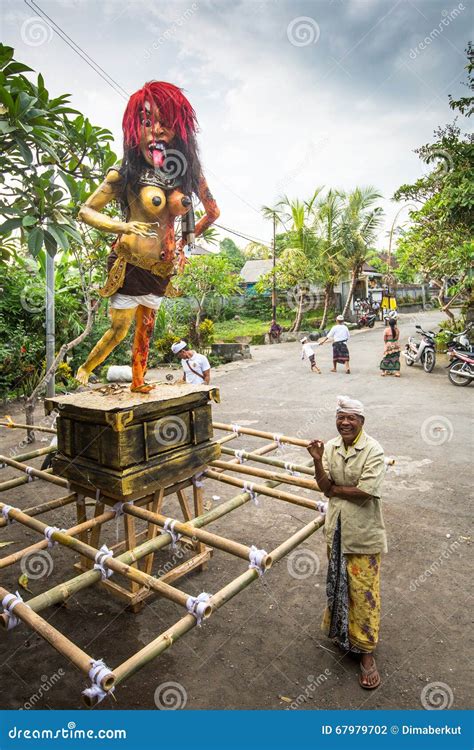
{"type": "Point", "coordinates": [289, 95]}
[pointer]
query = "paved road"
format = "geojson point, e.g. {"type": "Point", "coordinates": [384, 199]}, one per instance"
{"type": "Point", "coordinates": [264, 647]}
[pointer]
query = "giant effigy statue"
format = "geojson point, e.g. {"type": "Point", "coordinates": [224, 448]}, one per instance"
{"type": "Point", "coordinates": [159, 175]}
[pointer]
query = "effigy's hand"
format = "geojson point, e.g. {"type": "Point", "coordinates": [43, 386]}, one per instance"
{"type": "Point", "coordinates": [139, 227]}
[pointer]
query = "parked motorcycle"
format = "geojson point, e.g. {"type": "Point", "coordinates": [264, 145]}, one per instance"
{"type": "Point", "coordinates": [421, 350]}
{"type": "Point", "coordinates": [461, 367]}
{"type": "Point", "coordinates": [368, 319]}
{"type": "Point", "coordinates": [460, 340]}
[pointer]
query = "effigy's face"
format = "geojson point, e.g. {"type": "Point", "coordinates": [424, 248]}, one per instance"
{"type": "Point", "coordinates": [155, 135]}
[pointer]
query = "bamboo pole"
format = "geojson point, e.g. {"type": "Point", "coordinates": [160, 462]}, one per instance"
{"type": "Point", "coordinates": [63, 591]}
{"type": "Point", "coordinates": [261, 489]}
{"type": "Point", "coordinates": [226, 439]}
{"type": "Point", "coordinates": [37, 510]}
{"type": "Point", "coordinates": [309, 484]}
{"type": "Point", "coordinates": [16, 425]}
{"type": "Point", "coordinates": [5, 562]}
{"type": "Point", "coordinates": [35, 454]}
{"type": "Point", "coordinates": [169, 592]}
{"type": "Point", "coordinates": [253, 456]}
{"type": "Point", "coordinates": [166, 639]}
{"type": "Point", "coordinates": [187, 529]}
{"type": "Point", "coordinates": [261, 434]}
{"type": "Point", "coordinates": [17, 482]}
{"type": "Point", "coordinates": [57, 640]}
{"type": "Point", "coordinates": [35, 472]}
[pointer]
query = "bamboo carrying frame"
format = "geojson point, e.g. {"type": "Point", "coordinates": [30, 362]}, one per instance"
{"type": "Point", "coordinates": [135, 553]}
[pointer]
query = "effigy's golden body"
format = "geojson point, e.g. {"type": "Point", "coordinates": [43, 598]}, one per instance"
{"type": "Point", "coordinates": [145, 253]}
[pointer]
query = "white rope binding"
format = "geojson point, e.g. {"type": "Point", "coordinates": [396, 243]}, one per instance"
{"type": "Point", "coordinates": [290, 468]}
{"type": "Point", "coordinates": [197, 479]}
{"type": "Point", "coordinates": [102, 555]}
{"type": "Point", "coordinates": [322, 506]}
{"type": "Point", "coordinates": [9, 602]}
{"type": "Point", "coordinates": [256, 557]}
{"type": "Point", "coordinates": [48, 533]}
{"type": "Point", "coordinates": [97, 673]}
{"type": "Point", "coordinates": [196, 605]}
{"type": "Point", "coordinates": [235, 428]}
{"type": "Point", "coordinates": [118, 508]}
{"type": "Point", "coordinates": [249, 488]}
{"type": "Point", "coordinates": [277, 438]}
{"type": "Point", "coordinates": [5, 511]}
{"type": "Point", "coordinates": [29, 471]}
{"type": "Point", "coordinates": [168, 528]}
{"type": "Point", "coordinates": [240, 456]}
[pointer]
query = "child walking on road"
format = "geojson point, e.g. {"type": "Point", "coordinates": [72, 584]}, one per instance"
{"type": "Point", "coordinates": [307, 352]}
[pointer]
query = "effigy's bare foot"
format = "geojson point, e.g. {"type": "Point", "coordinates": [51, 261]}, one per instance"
{"type": "Point", "coordinates": [82, 375]}
{"type": "Point", "coordinates": [144, 388]}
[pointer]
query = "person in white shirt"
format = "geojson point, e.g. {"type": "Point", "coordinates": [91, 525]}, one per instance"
{"type": "Point", "coordinates": [340, 336]}
{"type": "Point", "coordinates": [307, 351]}
{"type": "Point", "coordinates": [196, 367]}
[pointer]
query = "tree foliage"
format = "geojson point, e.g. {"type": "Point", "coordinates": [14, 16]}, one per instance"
{"type": "Point", "coordinates": [51, 156]}
{"type": "Point", "coordinates": [439, 243]}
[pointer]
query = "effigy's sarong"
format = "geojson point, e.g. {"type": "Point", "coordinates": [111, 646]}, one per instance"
{"type": "Point", "coordinates": [139, 274]}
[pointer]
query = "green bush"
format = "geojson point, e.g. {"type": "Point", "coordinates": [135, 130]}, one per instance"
{"type": "Point", "coordinates": [206, 333]}
{"type": "Point", "coordinates": [163, 347]}
{"type": "Point", "coordinates": [258, 306]}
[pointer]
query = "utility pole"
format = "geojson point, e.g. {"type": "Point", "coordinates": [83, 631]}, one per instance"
{"type": "Point", "coordinates": [50, 323]}
{"type": "Point", "coordinates": [274, 294]}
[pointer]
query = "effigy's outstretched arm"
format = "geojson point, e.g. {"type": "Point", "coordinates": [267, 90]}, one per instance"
{"type": "Point", "coordinates": [90, 212]}
{"type": "Point", "coordinates": [210, 207]}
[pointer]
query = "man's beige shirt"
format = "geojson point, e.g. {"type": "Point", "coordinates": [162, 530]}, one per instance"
{"type": "Point", "coordinates": [362, 466]}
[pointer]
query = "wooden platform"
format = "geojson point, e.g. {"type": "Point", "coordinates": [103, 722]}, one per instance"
{"type": "Point", "coordinates": [125, 443]}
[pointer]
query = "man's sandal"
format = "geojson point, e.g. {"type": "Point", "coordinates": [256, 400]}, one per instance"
{"type": "Point", "coordinates": [368, 673]}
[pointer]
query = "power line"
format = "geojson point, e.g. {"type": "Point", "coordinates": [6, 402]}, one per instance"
{"type": "Point", "coordinates": [239, 234]}
{"type": "Point", "coordinates": [79, 51]}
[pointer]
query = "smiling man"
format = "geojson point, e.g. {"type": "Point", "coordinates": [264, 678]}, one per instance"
{"type": "Point", "coordinates": [349, 470]}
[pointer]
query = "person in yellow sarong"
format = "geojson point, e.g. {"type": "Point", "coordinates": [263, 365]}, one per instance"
{"type": "Point", "coordinates": [349, 470]}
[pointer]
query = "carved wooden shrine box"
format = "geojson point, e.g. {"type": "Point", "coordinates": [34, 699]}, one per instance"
{"type": "Point", "coordinates": [130, 444]}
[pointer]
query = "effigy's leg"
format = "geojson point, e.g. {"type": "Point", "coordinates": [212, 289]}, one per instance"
{"type": "Point", "coordinates": [144, 325]}
{"type": "Point", "coordinates": [121, 321]}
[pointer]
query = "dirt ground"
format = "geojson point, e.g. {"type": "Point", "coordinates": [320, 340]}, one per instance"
{"type": "Point", "coordinates": [264, 648]}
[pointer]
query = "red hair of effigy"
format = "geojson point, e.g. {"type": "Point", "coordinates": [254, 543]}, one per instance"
{"type": "Point", "coordinates": [175, 111]}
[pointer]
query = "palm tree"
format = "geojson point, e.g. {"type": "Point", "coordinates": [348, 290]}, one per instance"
{"type": "Point", "coordinates": [328, 212]}
{"type": "Point", "coordinates": [299, 258]}
{"type": "Point", "coordinates": [360, 222]}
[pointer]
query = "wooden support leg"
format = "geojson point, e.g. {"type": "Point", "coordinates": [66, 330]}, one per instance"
{"type": "Point", "coordinates": [155, 507]}
{"type": "Point", "coordinates": [94, 535]}
{"type": "Point", "coordinates": [198, 497]}
{"type": "Point", "coordinates": [131, 541]}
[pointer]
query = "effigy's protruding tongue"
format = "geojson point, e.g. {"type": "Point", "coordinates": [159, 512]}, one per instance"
{"type": "Point", "coordinates": [158, 154]}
